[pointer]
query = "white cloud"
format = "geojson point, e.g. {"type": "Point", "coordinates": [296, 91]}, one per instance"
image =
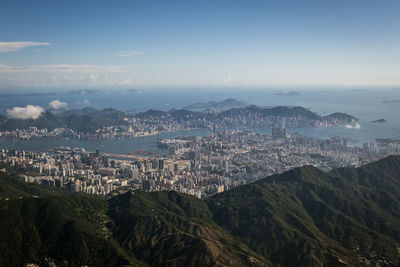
{"type": "Point", "coordinates": [93, 77]}
{"type": "Point", "coordinates": [6, 47]}
{"type": "Point", "coordinates": [75, 68]}
{"type": "Point", "coordinates": [84, 102]}
{"type": "Point", "coordinates": [228, 79]}
{"type": "Point", "coordinates": [129, 53]}
{"type": "Point", "coordinates": [57, 68]}
{"type": "Point", "coordinates": [7, 68]}
{"type": "Point", "coordinates": [57, 104]}
{"type": "Point", "coordinates": [28, 112]}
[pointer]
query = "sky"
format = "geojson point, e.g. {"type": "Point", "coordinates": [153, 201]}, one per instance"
{"type": "Point", "coordinates": [140, 44]}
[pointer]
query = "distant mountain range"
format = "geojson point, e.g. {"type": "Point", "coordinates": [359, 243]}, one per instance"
{"type": "Point", "coordinates": [303, 217]}
{"type": "Point", "coordinates": [253, 110]}
{"type": "Point", "coordinates": [102, 92]}
{"type": "Point", "coordinates": [212, 105]}
{"type": "Point", "coordinates": [391, 101]}
{"type": "Point", "coordinates": [86, 92]}
{"type": "Point", "coordinates": [85, 120]}
{"type": "Point", "coordinates": [291, 93]}
{"type": "Point", "coordinates": [90, 119]}
{"type": "Point", "coordinates": [27, 95]}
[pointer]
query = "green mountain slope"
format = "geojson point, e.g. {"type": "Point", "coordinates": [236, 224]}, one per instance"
{"type": "Point", "coordinates": [46, 120]}
{"type": "Point", "coordinates": [303, 217]}
{"type": "Point", "coordinates": [67, 228]}
{"type": "Point", "coordinates": [172, 229]}
{"type": "Point", "coordinates": [83, 120]}
{"type": "Point", "coordinates": [93, 119]}
{"type": "Point", "coordinates": [319, 217]}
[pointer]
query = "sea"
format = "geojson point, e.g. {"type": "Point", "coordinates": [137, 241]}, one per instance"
{"type": "Point", "coordinates": [367, 104]}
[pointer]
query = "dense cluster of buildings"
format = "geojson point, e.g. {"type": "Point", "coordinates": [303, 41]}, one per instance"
{"type": "Point", "coordinates": [109, 132]}
{"type": "Point", "coordinates": [198, 166]}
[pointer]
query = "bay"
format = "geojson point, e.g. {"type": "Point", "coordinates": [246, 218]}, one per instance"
{"type": "Point", "coordinates": [117, 146]}
{"type": "Point", "coordinates": [366, 104]}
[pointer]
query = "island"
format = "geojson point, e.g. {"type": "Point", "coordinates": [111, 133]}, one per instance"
{"type": "Point", "coordinates": [213, 105]}
{"type": "Point", "coordinates": [291, 93]}
{"type": "Point", "coordinates": [391, 101]}
{"type": "Point", "coordinates": [379, 121]}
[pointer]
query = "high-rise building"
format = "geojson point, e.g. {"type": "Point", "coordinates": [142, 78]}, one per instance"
{"type": "Point", "coordinates": [279, 130]}
{"type": "Point", "coordinates": [161, 164]}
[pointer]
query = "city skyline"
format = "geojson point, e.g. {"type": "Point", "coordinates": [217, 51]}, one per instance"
{"type": "Point", "coordinates": [92, 44]}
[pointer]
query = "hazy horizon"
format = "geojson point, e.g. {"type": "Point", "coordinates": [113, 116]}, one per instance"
{"type": "Point", "coordinates": [208, 44]}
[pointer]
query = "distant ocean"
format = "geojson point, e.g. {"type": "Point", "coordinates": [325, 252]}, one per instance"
{"type": "Point", "coordinates": [365, 104]}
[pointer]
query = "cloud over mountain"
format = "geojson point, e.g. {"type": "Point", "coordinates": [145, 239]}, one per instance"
{"type": "Point", "coordinates": [57, 104]}
{"type": "Point", "coordinates": [28, 112]}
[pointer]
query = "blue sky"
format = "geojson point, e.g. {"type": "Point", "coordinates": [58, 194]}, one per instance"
{"type": "Point", "coordinates": [114, 44]}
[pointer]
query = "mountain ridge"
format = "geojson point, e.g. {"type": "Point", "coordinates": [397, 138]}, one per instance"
{"type": "Point", "coordinates": [302, 217]}
{"type": "Point", "coordinates": [89, 119]}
